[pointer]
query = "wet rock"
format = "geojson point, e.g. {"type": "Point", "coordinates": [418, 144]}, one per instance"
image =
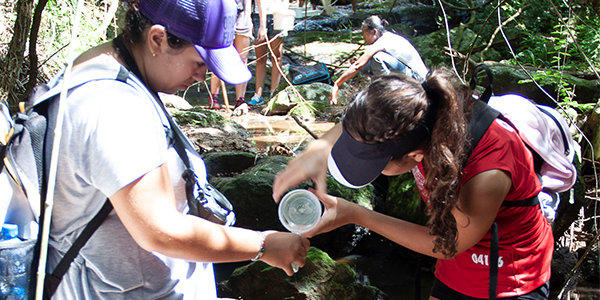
{"type": "Point", "coordinates": [228, 164]}
{"type": "Point", "coordinates": [403, 200]}
{"type": "Point", "coordinates": [174, 101]}
{"type": "Point", "coordinates": [320, 278]}
{"type": "Point", "coordinates": [563, 262]}
{"type": "Point", "coordinates": [251, 194]}
{"type": "Point", "coordinates": [316, 96]}
{"type": "Point", "coordinates": [507, 78]}
{"type": "Point", "coordinates": [422, 19]}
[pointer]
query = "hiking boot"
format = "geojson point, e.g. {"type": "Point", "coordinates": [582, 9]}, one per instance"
{"type": "Point", "coordinates": [256, 100]}
{"type": "Point", "coordinates": [239, 102]}
{"type": "Point", "coordinates": [213, 102]}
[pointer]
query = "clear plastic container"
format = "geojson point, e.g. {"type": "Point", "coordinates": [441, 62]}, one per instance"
{"type": "Point", "coordinates": [299, 211]}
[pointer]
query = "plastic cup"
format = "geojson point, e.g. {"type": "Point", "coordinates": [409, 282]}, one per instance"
{"type": "Point", "coordinates": [299, 211]}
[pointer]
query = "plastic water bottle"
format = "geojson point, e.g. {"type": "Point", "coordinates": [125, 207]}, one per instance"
{"type": "Point", "coordinates": [13, 264]}
{"type": "Point", "coordinates": [10, 232]}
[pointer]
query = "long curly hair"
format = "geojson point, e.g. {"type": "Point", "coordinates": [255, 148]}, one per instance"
{"type": "Point", "coordinates": [393, 105]}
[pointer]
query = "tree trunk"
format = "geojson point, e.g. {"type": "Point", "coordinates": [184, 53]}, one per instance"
{"type": "Point", "coordinates": [11, 64]}
{"type": "Point", "coordinates": [33, 59]}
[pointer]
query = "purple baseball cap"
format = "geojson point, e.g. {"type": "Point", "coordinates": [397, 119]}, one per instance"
{"type": "Point", "coordinates": [209, 25]}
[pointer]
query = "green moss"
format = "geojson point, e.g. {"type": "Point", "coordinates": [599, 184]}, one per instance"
{"type": "Point", "coordinates": [362, 196]}
{"type": "Point", "coordinates": [403, 199]}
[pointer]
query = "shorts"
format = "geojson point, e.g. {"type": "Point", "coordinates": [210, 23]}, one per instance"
{"type": "Point", "coordinates": [270, 31]}
{"type": "Point", "coordinates": [243, 23]}
{"type": "Point", "coordinates": [442, 291]}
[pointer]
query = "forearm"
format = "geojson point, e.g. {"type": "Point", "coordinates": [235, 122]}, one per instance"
{"type": "Point", "coordinates": [349, 73]}
{"type": "Point", "coordinates": [195, 239]}
{"type": "Point", "coordinates": [412, 236]}
{"type": "Point", "coordinates": [332, 134]}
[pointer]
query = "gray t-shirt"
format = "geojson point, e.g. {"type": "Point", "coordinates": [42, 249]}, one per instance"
{"type": "Point", "coordinates": [404, 51]}
{"type": "Point", "coordinates": [113, 134]}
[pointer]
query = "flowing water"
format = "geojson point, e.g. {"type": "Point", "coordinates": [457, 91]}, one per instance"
{"type": "Point", "coordinates": [266, 131]}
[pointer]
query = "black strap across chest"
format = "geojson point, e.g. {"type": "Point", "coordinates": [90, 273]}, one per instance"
{"type": "Point", "coordinates": [180, 142]}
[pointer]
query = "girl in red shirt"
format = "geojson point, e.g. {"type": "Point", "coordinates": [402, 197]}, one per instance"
{"type": "Point", "coordinates": [397, 125]}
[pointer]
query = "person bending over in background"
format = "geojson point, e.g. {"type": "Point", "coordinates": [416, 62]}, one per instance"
{"type": "Point", "coordinates": [387, 53]}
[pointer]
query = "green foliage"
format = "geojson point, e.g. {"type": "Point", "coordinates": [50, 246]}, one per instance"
{"type": "Point", "coordinates": [566, 93]}
{"type": "Point", "coordinates": [57, 24]}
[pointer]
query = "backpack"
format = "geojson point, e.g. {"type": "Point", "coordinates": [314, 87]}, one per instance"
{"type": "Point", "coordinates": [545, 132]}
{"type": "Point", "coordinates": [25, 146]}
{"type": "Point", "coordinates": [543, 129]}
{"type": "Point", "coordinates": [300, 74]}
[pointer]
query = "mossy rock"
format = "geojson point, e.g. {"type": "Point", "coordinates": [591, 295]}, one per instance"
{"type": "Point", "coordinates": [316, 100]}
{"type": "Point", "coordinates": [200, 117]}
{"type": "Point", "coordinates": [228, 163]}
{"type": "Point", "coordinates": [403, 200]}
{"type": "Point", "coordinates": [251, 194]}
{"type": "Point", "coordinates": [320, 278]}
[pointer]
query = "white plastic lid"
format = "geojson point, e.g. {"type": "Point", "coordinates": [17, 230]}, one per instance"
{"type": "Point", "coordinates": [299, 211]}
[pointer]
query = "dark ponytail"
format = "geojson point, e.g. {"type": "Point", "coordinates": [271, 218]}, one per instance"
{"type": "Point", "coordinates": [374, 22]}
{"type": "Point", "coordinates": [445, 156]}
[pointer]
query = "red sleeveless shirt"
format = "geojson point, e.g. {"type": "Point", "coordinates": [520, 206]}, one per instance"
{"type": "Point", "coordinates": [525, 237]}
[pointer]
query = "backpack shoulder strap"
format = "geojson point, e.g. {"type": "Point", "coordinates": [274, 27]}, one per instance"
{"type": "Point", "coordinates": [53, 280]}
{"type": "Point", "coordinates": [485, 97]}
{"type": "Point", "coordinates": [482, 117]}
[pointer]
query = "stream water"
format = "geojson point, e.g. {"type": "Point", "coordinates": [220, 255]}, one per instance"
{"type": "Point", "coordinates": [268, 130]}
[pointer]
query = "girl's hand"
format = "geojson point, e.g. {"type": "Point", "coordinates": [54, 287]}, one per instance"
{"type": "Point", "coordinates": [336, 214]}
{"type": "Point", "coordinates": [310, 164]}
{"type": "Point", "coordinates": [262, 34]}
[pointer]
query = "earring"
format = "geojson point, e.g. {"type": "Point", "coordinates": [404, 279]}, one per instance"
{"type": "Point", "coordinates": [153, 54]}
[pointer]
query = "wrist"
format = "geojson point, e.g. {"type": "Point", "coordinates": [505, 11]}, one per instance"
{"type": "Point", "coordinates": [261, 251]}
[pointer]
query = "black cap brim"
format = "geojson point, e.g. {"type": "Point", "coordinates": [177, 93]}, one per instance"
{"type": "Point", "coordinates": [355, 164]}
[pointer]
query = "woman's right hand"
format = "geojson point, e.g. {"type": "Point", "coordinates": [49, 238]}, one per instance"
{"type": "Point", "coordinates": [284, 248]}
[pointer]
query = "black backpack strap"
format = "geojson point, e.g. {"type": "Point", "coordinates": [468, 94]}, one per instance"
{"type": "Point", "coordinates": [485, 97]}
{"type": "Point", "coordinates": [53, 280]}
{"type": "Point", "coordinates": [494, 261]}
{"type": "Point", "coordinates": [482, 116]}
{"type": "Point", "coordinates": [180, 142]}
